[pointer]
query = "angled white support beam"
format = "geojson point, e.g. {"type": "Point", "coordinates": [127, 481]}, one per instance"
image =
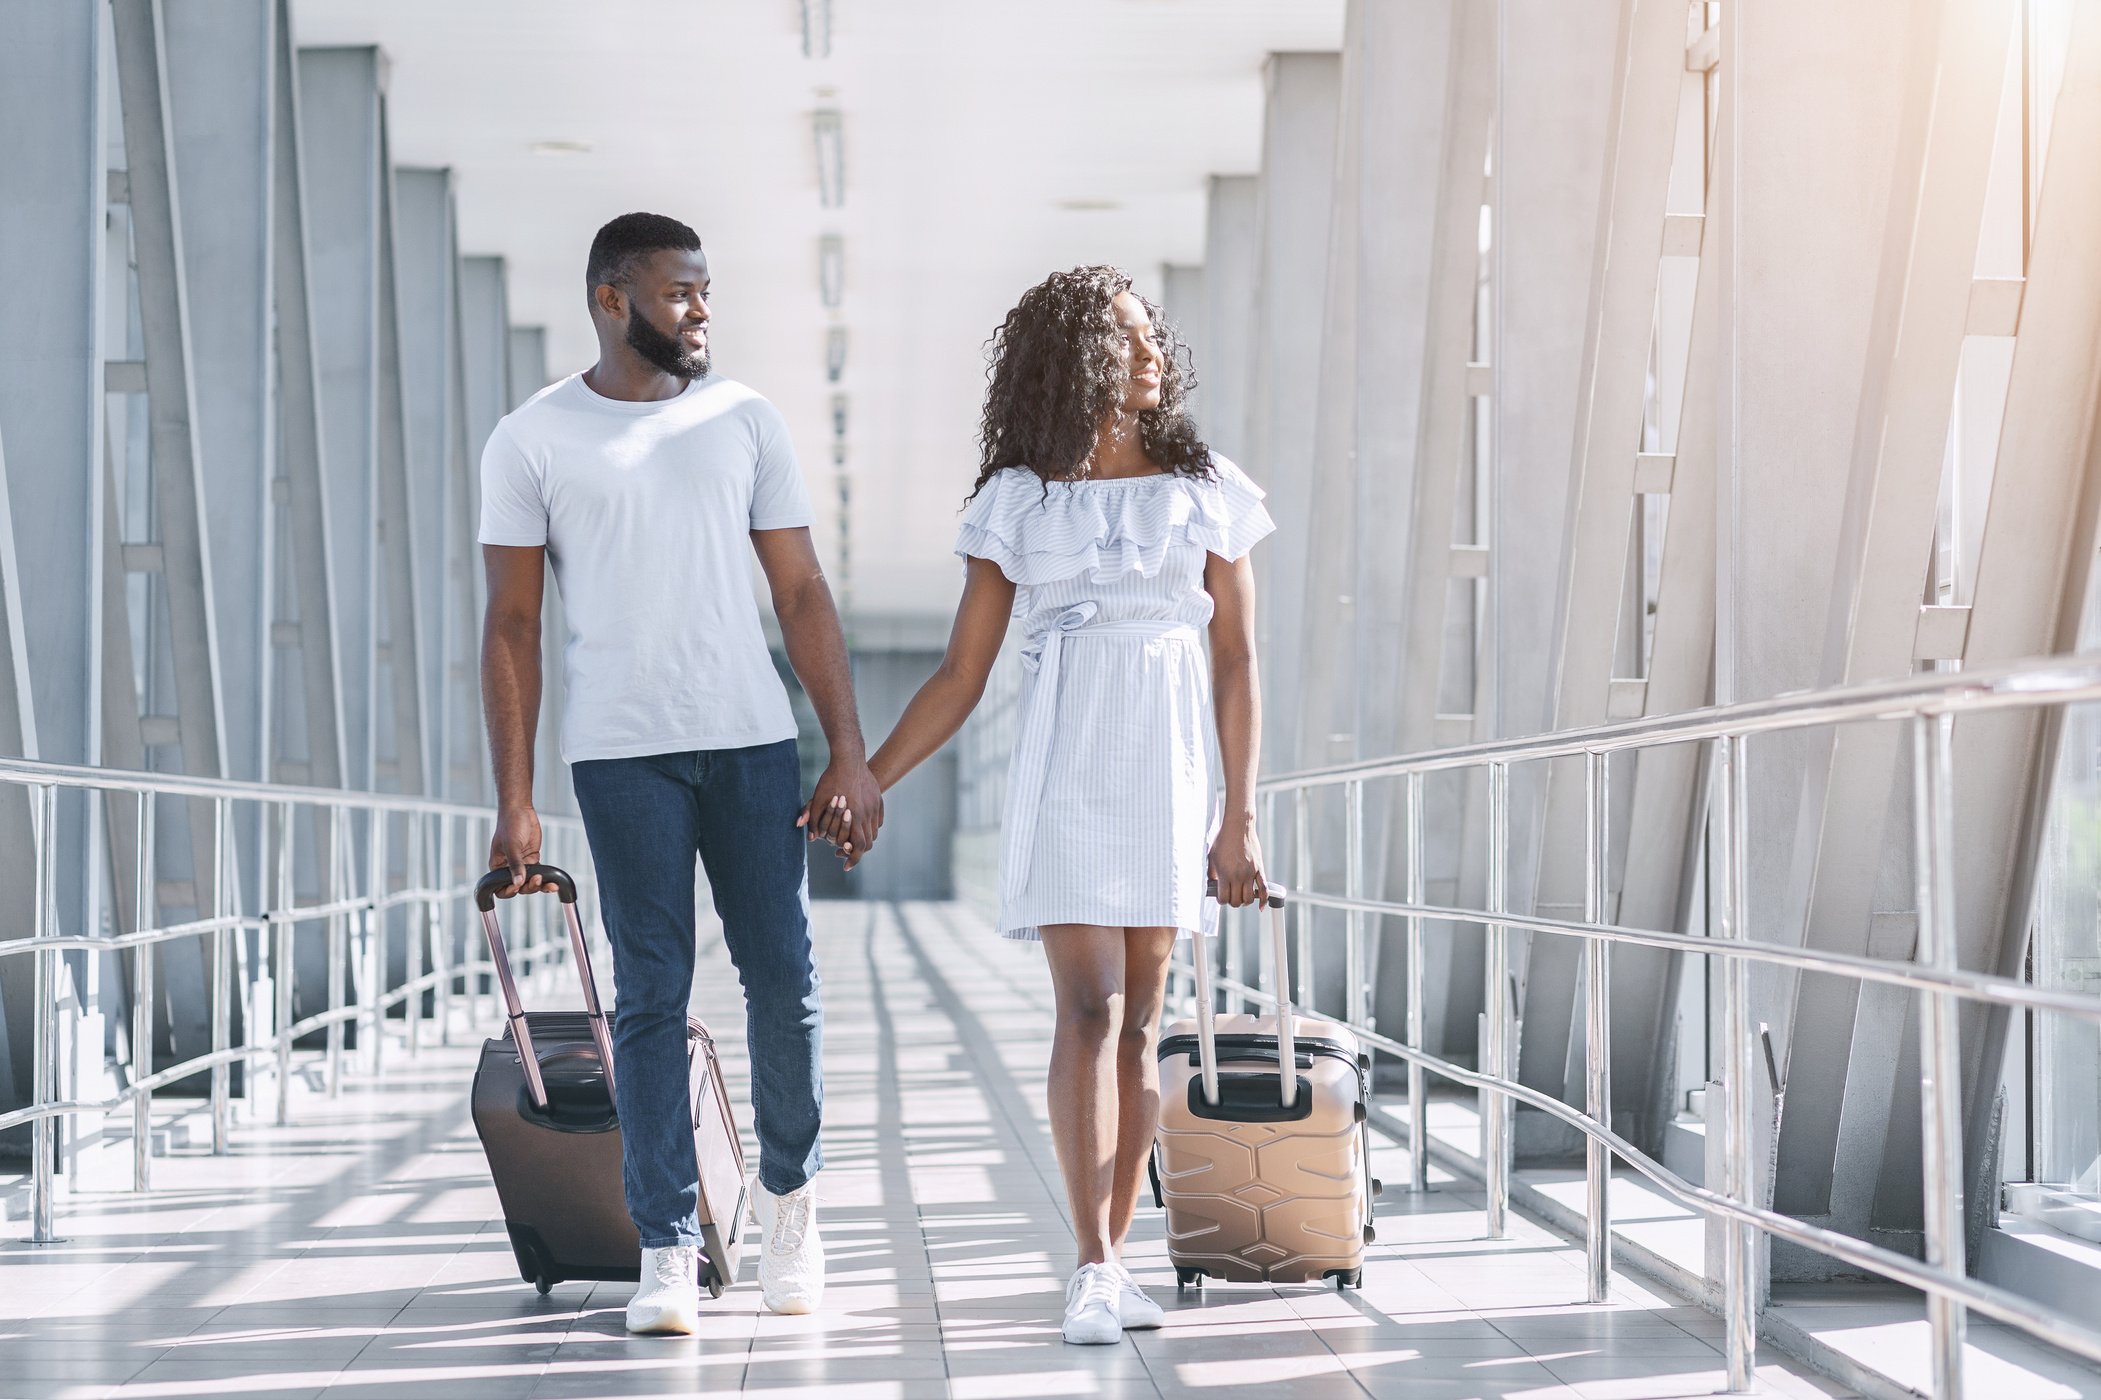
{"type": "Point", "coordinates": [308, 541]}
{"type": "Point", "coordinates": [53, 80]}
{"type": "Point", "coordinates": [1647, 75]}
{"type": "Point", "coordinates": [1842, 1043]}
{"type": "Point", "coordinates": [2034, 575]}
{"type": "Point", "coordinates": [339, 115]}
{"type": "Point", "coordinates": [218, 66]}
{"type": "Point", "coordinates": [17, 840]}
{"type": "Point", "coordinates": [1438, 456]}
{"type": "Point", "coordinates": [164, 317]}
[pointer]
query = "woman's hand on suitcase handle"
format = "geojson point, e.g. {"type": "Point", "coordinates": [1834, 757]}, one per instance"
{"type": "Point", "coordinates": [1236, 864]}
{"type": "Point", "coordinates": [517, 845]}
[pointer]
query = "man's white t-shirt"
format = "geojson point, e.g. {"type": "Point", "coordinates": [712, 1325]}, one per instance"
{"type": "Point", "coordinates": [645, 510]}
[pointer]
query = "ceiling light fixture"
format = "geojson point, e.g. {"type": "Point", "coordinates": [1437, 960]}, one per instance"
{"type": "Point", "coordinates": [560, 148]}
{"type": "Point", "coordinates": [831, 270]}
{"type": "Point", "coordinates": [835, 354]}
{"type": "Point", "coordinates": [816, 28]}
{"type": "Point", "coordinates": [830, 131]}
{"type": "Point", "coordinates": [1090, 206]}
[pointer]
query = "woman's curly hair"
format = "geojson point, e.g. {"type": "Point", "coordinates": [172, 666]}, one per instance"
{"type": "Point", "coordinates": [1056, 373]}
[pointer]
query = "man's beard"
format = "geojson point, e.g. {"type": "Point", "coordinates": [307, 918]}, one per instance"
{"type": "Point", "coordinates": [667, 352]}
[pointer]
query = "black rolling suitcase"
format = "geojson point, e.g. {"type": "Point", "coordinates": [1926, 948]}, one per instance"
{"type": "Point", "coordinates": [548, 1125]}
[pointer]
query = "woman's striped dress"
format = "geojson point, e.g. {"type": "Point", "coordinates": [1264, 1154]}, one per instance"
{"type": "Point", "coordinates": [1110, 808]}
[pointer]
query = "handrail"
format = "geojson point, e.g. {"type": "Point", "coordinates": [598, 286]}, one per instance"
{"type": "Point", "coordinates": [2055, 680]}
{"type": "Point", "coordinates": [1930, 705]}
{"type": "Point", "coordinates": [439, 843]}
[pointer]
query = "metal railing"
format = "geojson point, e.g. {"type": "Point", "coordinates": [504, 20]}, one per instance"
{"type": "Point", "coordinates": [1929, 704]}
{"type": "Point", "coordinates": [442, 847]}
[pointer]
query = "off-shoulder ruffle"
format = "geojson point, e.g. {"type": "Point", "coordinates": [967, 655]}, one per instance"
{"type": "Point", "coordinates": [1104, 529]}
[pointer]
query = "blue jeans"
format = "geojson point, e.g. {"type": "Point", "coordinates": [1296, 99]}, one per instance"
{"type": "Point", "coordinates": [646, 818]}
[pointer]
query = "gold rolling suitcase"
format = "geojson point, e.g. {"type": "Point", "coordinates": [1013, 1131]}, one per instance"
{"type": "Point", "coordinates": [1262, 1164]}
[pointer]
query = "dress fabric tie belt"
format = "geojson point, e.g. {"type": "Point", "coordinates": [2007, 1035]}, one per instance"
{"type": "Point", "coordinates": [1039, 726]}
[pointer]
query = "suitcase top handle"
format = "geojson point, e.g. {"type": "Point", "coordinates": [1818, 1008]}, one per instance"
{"type": "Point", "coordinates": [557, 879]}
{"type": "Point", "coordinates": [1207, 1049]}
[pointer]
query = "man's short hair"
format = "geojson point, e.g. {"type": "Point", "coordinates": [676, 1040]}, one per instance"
{"type": "Point", "coordinates": [629, 238]}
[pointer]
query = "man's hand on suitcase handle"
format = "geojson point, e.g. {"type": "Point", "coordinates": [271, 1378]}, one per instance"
{"type": "Point", "coordinates": [517, 845]}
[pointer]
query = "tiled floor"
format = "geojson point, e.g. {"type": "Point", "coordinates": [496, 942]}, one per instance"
{"type": "Point", "coordinates": [359, 1253]}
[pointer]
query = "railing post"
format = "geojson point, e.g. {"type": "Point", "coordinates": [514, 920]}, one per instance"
{"type": "Point", "coordinates": [1597, 1042]}
{"type": "Point", "coordinates": [376, 931]}
{"type": "Point", "coordinates": [283, 926]}
{"type": "Point", "coordinates": [222, 979]}
{"type": "Point", "coordinates": [1302, 879]}
{"type": "Point", "coordinates": [1739, 1240]}
{"type": "Point", "coordinates": [1495, 1108]}
{"type": "Point", "coordinates": [1940, 1062]}
{"type": "Point", "coordinates": [1418, 1081]}
{"type": "Point", "coordinates": [142, 1004]}
{"type": "Point", "coordinates": [1359, 1003]}
{"type": "Point", "coordinates": [441, 941]}
{"type": "Point", "coordinates": [43, 1133]}
{"type": "Point", "coordinates": [338, 878]}
{"type": "Point", "coordinates": [415, 919]}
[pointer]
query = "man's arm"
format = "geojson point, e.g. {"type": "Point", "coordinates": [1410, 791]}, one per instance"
{"type": "Point", "coordinates": [510, 690]}
{"type": "Point", "coordinates": [847, 806]}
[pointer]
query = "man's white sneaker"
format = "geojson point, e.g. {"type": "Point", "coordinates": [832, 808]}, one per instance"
{"type": "Point", "coordinates": [791, 1257]}
{"type": "Point", "coordinates": [1091, 1317]}
{"type": "Point", "coordinates": [669, 1297]}
{"type": "Point", "coordinates": [1139, 1312]}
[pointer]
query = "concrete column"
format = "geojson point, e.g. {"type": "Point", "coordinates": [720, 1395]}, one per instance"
{"type": "Point", "coordinates": [1229, 313]}
{"type": "Point", "coordinates": [427, 266]}
{"type": "Point", "coordinates": [1294, 195]}
{"type": "Point", "coordinates": [1182, 293]}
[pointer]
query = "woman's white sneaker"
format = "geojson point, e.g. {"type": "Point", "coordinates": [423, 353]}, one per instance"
{"type": "Point", "coordinates": [791, 1257]}
{"type": "Point", "coordinates": [669, 1297]}
{"type": "Point", "coordinates": [1091, 1316]}
{"type": "Point", "coordinates": [1139, 1312]}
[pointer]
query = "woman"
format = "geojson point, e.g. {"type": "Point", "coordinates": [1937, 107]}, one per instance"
{"type": "Point", "coordinates": [1105, 525]}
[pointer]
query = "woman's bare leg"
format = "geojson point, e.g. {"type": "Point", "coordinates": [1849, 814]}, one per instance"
{"type": "Point", "coordinates": [1146, 955]}
{"type": "Point", "coordinates": [1087, 969]}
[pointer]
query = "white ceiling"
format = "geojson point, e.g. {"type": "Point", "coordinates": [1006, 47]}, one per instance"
{"type": "Point", "coordinates": [968, 123]}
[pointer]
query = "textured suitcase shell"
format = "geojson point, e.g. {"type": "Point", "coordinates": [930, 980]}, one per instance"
{"type": "Point", "coordinates": [552, 1136]}
{"type": "Point", "coordinates": [1264, 1201]}
{"type": "Point", "coordinates": [558, 1172]}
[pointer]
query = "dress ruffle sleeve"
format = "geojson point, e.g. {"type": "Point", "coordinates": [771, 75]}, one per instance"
{"type": "Point", "coordinates": [1104, 529]}
{"type": "Point", "coordinates": [1234, 514]}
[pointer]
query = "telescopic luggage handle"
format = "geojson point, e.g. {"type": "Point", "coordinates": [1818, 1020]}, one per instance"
{"type": "Point", "coordinates": [1206, 1029]}
{"type": "Point", "coordinates": [560, 881]}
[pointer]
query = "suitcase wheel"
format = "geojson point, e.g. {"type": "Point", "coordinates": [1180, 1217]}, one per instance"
{"type": "Point", "coordinates": [1371, 1234]}
{"type": "Point", "coordinates": [1188, 1278]}
{"type": "Point", "coordinates": [1378, 1187]}
{"type": "Point", "coordinates": [544, 1284]}
{"type": "Point", "coordinates": [1352, 1278]}
{"type": "Point", "coordinates": [714, 1284]}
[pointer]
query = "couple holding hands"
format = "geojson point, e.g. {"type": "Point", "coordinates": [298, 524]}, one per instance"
{"type": "Point", "coordinates": [1099, 520]}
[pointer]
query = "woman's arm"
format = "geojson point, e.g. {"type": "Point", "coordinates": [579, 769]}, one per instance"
{"type": "Point", "coordinates": [1236, 857]}
{"type": "Point", "coordinates": [952, 692]}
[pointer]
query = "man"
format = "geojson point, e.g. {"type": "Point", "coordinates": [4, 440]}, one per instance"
{"type": "Point", "coordinates": [639, 480]}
